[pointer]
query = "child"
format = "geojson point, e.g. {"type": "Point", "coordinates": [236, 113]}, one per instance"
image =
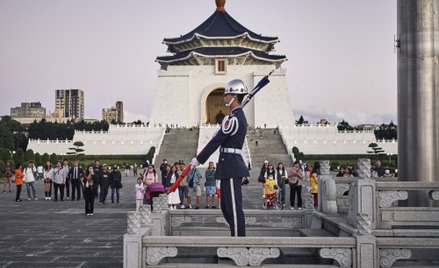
{"type": "Point", "coordinates": [270, 188]}
{"type": "Point", "coordinates": [140, 193]}
{"type": "Point", "coordinates": [314, 182]}
{"type": "Point", "coordinates": [19, 175]}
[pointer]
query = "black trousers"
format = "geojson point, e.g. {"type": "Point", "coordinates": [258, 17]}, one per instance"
{"type": "Point", "coordinates": [67, 188]}
{"type": "Point", "coordinates": [76, 186]}
{"type": "Point", "coordinates": [59, 187]}
{"type": "Point", "coordinates": [231, 205]}
{"type": "Point", "coordinates": [293, 190]}
{"type": "Point", "coordinates": [89, 197]}
{"type": "Point", "coordinates": [17, 195]}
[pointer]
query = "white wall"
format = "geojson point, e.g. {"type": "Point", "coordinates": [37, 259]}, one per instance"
{"type": "Point", "coordinates": [117, 140]}
{"type": "Point", "coordinates": [181, 94]}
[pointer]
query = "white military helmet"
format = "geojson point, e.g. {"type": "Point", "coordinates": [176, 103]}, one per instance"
{"type": "Point", "coordinates": [236, 86]}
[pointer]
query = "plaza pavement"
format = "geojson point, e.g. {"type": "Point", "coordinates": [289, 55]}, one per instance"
{"type": "Point", "coordinates": [45, 233]}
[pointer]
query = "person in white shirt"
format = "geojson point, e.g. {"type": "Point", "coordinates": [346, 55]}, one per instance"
{"type": "Point", "coordinates": [59, 181]}
{"type": "Point", "coordinates": [29, 179]}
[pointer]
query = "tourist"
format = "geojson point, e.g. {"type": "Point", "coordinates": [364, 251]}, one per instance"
{"type": "Point", "coordinates": [316, 168]}
{"type": "Point", "coordinates": [314, 183]}
{"type": "Point", "coordinates": [354, 171]}
{"type": "Point", "coordinates": [116, 183]}
{"type": "Point", "coordinates": [149, 176]}
{"type": "Point", "coordinates": [75, 176]}
{"type": "Point", "coordinates": [263, 176]}
{"type": "Point", "coordinates": [40, 171]}
{"type": "Point", "coordinates": [377, 170]}
{"type": "Point", "coordinates": [7, 172]}
{"type": "Point", "coordinates": [89, 191]}
{"type": "Point", "coordinates": [210, 185]}
{"type": "Point", "coordinates": [47, 175]}
{"type": "Point", "coordinates": [183, 187]}
{"type": "Point", "coordinates": [135, 168]}
{"type": "Point", "coordinates": [163, 166]}
{"type": "Point", "coordinates": [387, 173]}
{"type": "Point", "coordinates": [59, 180]}
{"type": "Point", "coordinates": [295, 177]}
{"type": "Point", "coordinates": [127, 169]}
{"type": "Point", "coordinates": [19, 175]}
{"type": "Point", "coordinates": [66, 169]}
{"type": "Point", "coordinates": [97, 170]}
{"type": "Point", "coordinates": [165, 174]}
{"type": "Point", "coordinates": [231, 167]}
{"type": "Point", "coordinates": [193, 179]}
{"type": "Point", "coordinates": [29, 179]}
{"type": "Point", "coordinates": [270, 186]}
{"type": "Point", "coordinates": [281, 177]}
{"type": "Point", "coordinates": [104, 180]}
{"type": "Point", "coordinates": [340, 172]}
{"type": "Point", "coordinates": [173, 197]}
{"type": "Point", "coordinates": [140, 193]}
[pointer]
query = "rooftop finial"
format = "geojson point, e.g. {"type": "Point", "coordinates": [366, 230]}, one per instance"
{"type": "Point", "coordinates": [220, 5]}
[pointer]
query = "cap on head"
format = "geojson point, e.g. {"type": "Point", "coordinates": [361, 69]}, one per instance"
{"type": "Point", "coordinates": [236, 86]}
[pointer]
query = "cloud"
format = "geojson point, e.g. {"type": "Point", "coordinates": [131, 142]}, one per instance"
{"type": "Point", "coordinates": [131, 117]}
{"type": "Point", "coordinates": [352, 116]}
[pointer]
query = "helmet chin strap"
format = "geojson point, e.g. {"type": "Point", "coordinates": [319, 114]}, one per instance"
{"type": "Point", "coordinates": [230, 102]}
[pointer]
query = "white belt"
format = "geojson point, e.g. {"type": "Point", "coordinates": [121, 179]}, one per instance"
{"type": "Point", "coordinates": [230, 151]}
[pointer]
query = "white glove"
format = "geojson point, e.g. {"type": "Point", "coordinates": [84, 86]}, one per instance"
{"type": "Point", "coordinates": [194, 162]}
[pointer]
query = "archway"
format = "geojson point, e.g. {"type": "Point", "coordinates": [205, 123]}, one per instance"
{"type": "Point", "coordinates": [215, 106]}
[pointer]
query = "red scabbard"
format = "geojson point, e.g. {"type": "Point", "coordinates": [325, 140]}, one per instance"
{"type": "Point", "coordinates": [179, 179]}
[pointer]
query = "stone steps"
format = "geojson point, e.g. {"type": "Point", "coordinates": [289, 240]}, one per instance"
{"type": "Point", "coordinates": [178, 144]}
{"type": "Point", "coordinates": [270, 147]}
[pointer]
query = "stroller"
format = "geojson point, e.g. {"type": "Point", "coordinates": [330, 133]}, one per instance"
{"type": "Point", "coordinates": [273, 200]}
{"type": "Point", "coordinates": [154, 190]}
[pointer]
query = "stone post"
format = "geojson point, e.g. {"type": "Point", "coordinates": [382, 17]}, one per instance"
{"type": "Point", "coordinates": [327, 190]}
{"type": "Point", "coordinates": [362, 209]}
{"type": "Point", "coordinates": [324, 172]}
{"type": "Point", "coordinates": [363, 166]}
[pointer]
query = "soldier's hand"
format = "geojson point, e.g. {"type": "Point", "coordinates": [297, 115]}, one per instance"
{"type": "Point", "coordinates": [194, 162]}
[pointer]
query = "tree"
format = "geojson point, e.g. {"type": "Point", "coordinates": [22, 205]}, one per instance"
{"type": "Point", "coordinates": [45, 158]}
{"type": "Point", "coordinates": [386, 132]}
{"type": "Point", "coordinates": [18, 156]}
{"type": "Point", "coordinates": [5, 155]}
{"type": "Point", "coordinates": [301, 121]}
{"type": "Point", "coordinates": [298, 155]}
{"type": "Point", "coordinates": [6, 137]}
{"type": "Point", "coordinates": [77, 151]}
{"type": "Point", "coordinates": [343, 125]}
{"type": "Point", "coordinates": [29, 156]}
{"type": "Point", "coordinates": [38, 159]}
{"type": "Point", "coordinates": [150, 154]}
{"type": "Point", "coordinates": [20, 140]}
{"type": "Point", "coordinates": [376, 150]}
{"type": "Point", "coordinates": [53, 158]}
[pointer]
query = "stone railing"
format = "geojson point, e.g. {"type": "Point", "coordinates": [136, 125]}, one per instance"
{"type": "Point", "coordinates": [342, 192]}
{"type": "Point", "coordinates": [389, 215]}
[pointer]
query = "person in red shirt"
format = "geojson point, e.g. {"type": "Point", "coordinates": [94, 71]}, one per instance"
{"type": "Point", "coordinates": [18, 181]}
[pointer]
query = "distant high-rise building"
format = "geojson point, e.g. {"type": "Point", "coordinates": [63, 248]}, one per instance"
{"type": "Point", "coordinates": [113, 114]}
{"type": "Point", "coordinates": [29, 109]}
{"type": "Point", "coordinates": [69, 103]}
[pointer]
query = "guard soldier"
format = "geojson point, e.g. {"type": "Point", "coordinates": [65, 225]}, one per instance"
{"type": "Point", "coordinates": [231, 167]}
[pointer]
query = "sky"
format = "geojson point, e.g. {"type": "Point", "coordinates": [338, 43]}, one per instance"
{"type": "Point", "coordinates": [341, 64]}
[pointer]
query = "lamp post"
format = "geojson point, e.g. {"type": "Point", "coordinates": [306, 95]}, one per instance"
{"type": "Point", "coordinates": [390, 158]}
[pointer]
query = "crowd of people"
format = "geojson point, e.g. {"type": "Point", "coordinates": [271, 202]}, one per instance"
{"type": "Point", "coordinates": [66, 181]}
{"type": "Point", "coordinates": [189, 189]}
